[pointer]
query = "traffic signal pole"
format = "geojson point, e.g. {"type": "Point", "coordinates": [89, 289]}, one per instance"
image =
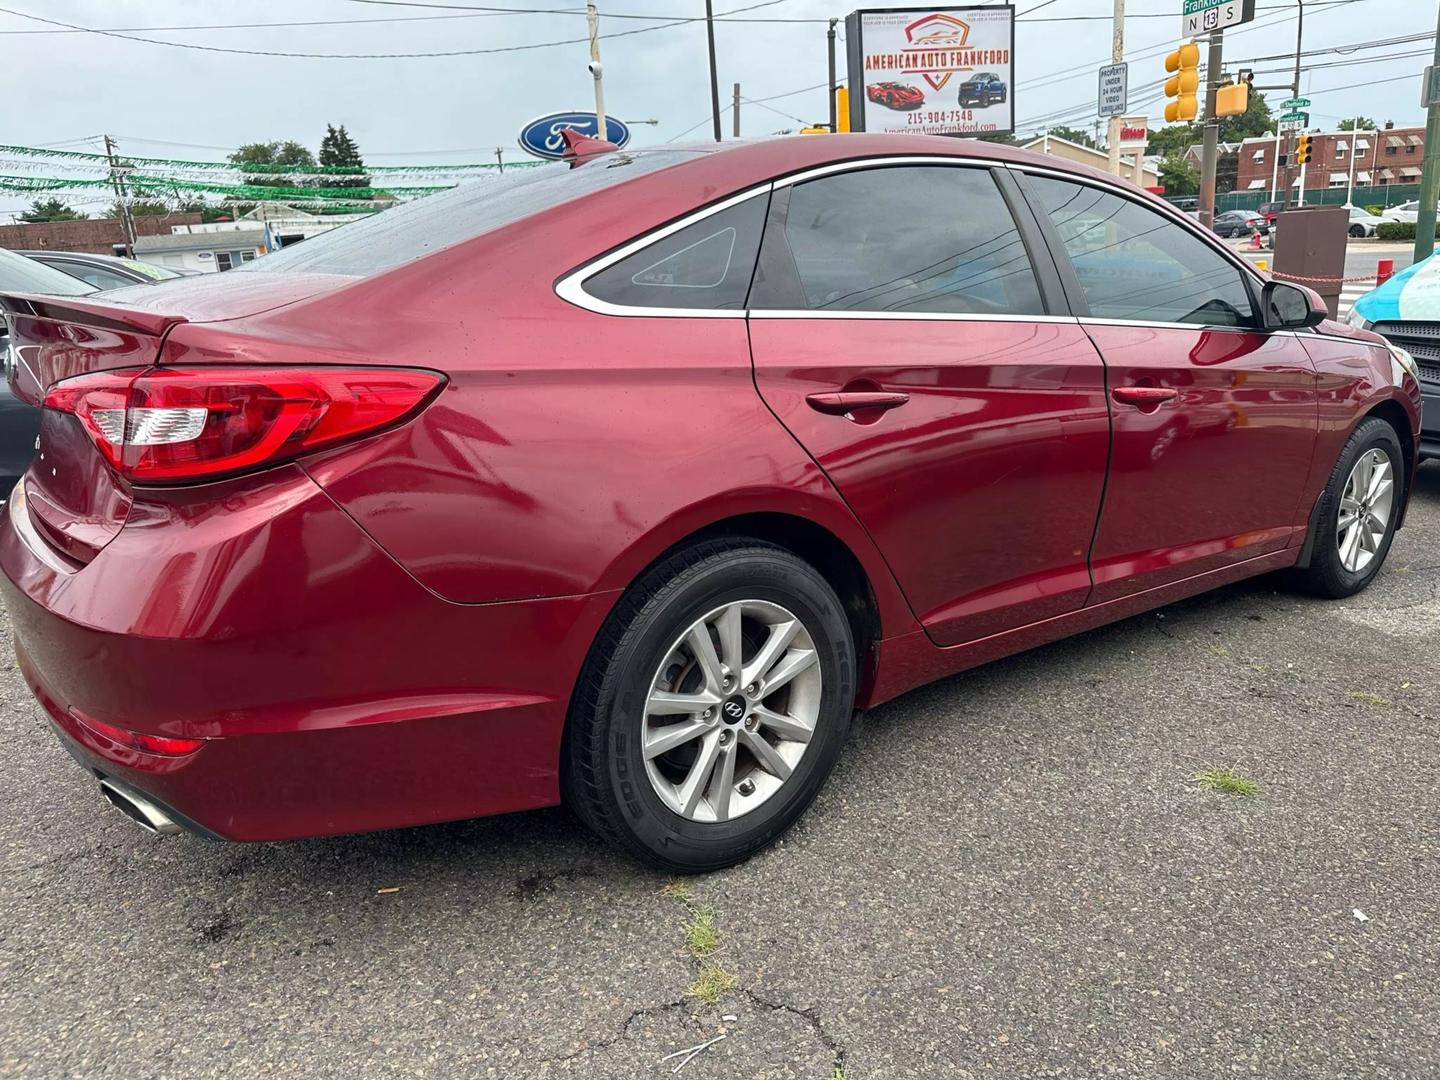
{"type": "Point", "coordinates": [1291, 140]}
{"type": "Point", "coordinates": [1430, 179]}
{"type": "Point", "coordinates": [1210, 157]}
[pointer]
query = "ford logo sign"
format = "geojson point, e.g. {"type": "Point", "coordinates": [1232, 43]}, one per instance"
{"type": "Point", "coordinates": [541, 136]}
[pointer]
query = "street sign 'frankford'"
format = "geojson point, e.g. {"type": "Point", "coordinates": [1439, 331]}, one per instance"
{"type": "Point", "coordinates": [1203, 16]}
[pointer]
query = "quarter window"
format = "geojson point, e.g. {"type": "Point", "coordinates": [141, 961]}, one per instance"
{"type": "Point", "coordinates": [904, 239]}
{"type": "Point", "coordinates": [1137, 265]}
{"type": "Point", "coordinates": [707, 264]}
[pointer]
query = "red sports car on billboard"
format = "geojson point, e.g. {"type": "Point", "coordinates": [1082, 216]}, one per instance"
{"type": "Point", "coordinates": [894, 95]}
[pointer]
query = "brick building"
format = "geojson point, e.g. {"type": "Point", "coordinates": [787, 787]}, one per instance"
{"type": "Point", "coordinates": [98, 235]}
{"type": "Point", "coordinates": [1391, 156]}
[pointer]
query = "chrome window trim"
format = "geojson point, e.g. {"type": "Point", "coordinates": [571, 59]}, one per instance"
{"type": "Point", "coordinates": [571, 287]}
{"type": "Point", "coordinates": [911, 316]}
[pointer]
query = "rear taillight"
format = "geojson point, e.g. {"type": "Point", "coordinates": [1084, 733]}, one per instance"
{"type": "Point", "coordinates": [174, 425]}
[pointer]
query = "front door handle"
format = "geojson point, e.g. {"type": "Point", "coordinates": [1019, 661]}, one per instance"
{"type": "Point", "coordinates": [1144, 397]}
{"type": "Point", "coordinates": [842, 402]}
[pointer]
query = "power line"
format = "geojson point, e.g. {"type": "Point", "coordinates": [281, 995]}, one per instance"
{"type": "Point", "coordinates": [687, 21]}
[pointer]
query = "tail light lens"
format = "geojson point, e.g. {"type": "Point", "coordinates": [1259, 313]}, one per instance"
{"type": "Point", "coordinates": [176, 425]}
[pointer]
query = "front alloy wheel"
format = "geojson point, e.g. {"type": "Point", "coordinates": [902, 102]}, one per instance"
{"type": "Point", "coordinates": [1356, 516]}
{"type": "Point", "coordinates": [1365, 509]}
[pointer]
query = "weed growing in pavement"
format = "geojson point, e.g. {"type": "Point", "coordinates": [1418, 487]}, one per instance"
{"type": "Point", "coordinates": [700, 935]}
{"type": "Point", "coordinates": [713, 983]}
{"type": "Point", "coordinates": [1228, 781]}
{"type": "Point", "coordinates": [676, 889]}
{"type": "Point", "coordinates": [1368, 698]}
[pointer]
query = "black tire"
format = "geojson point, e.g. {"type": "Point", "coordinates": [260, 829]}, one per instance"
{"type": "Point", "coordinates": [1326, 575]}
{"type": "Point", "coordinates": [603, 771]}
{"type": "Point", "coordinates": [1357, 231]}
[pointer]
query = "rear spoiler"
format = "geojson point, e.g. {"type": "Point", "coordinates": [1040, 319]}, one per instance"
{"type": "Point", "coordinates": [78, 309]}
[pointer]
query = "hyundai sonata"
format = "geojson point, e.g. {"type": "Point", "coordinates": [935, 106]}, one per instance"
{"type": "Point", "coordinates": [626, 481]}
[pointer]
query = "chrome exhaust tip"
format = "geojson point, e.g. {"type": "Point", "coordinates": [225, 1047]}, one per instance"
{"type": "Point", "coordinates": [138, 808]}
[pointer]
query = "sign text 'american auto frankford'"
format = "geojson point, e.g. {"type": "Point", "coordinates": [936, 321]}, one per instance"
{"type": "Point", "coordinates": [932, 71]}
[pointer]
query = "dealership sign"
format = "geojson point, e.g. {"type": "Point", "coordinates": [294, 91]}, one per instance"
{"type": "Point", "coordinates": [932, 71]}
{"type": "Point", "coordinates": [542, 137]}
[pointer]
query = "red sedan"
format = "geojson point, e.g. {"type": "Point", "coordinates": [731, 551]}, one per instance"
{"type": "Point", "coordinates": [627, 484]}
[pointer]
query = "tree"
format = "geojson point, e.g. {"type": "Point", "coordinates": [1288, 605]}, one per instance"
{"type": "Point", "coordinates": [273, 153]}
{"type": "Point", "coordinates": [1173, 139]}
{"type": "Point", "coordinates": [1359, 123]}
{"type": "Point", "coordinates": [338, 150]}
{"type": "Point", "coordinates": [1254, 122]}
{"type": "Point", "coordinates": [142, 208]}
{"type": "Point", "coordinates": [1178, 176]}
{"type": "Point", "coordinates": [1004, 137]}
{"type": "Point", "coordinates": [50, 210]}
{"type": "Point", "coordinates": [1075, 135]}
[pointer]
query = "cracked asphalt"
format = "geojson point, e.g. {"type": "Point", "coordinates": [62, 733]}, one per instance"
{"type": "Point", "coordinates": [1010, 875]}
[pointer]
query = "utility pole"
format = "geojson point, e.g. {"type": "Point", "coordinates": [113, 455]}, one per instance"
{"type": "Point", "coordinates": [1117, 56]}
{"type": "Point", "coordinates": [500, 157]}
{"type": "Point", "coordinates": [1289, 142]}
{"type": "Point", "coordinates": [1430, 179]}
{"type": "Point", "coordinates": [714, 78]}
{"type": "Point", "coordinates": [735, 111]}
{"type": "Point", "coordinates": [117, 181]}
{"type": "Point", "coordinates": [592, 20]}
{"type": "Point", "coordinates": [1211, 155]}
{"type": "Point", "coordinates": [834, 119]}
{"type": "Point", "coordinates": [1354, 139]}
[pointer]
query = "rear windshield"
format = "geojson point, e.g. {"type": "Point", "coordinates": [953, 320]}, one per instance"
{"type": "Point", "coordinates": [391, 237]}
{"type": "Point", "coordinates": [22, 275]}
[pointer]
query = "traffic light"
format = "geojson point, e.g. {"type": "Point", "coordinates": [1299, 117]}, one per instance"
{"type": "Point", "coordinates": [1183, 84]}
{"type": "Point", "coordinates": [1233, 100]}
{"type": "Point", "coordinates": [1302, 150]}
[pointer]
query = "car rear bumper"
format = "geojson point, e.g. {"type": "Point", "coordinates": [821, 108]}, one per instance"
{"type": "Point", "coordinates": [331, 691]}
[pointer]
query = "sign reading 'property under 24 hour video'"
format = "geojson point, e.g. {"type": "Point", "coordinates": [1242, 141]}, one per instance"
{"type": "Point", "coordinates": [932, 71]}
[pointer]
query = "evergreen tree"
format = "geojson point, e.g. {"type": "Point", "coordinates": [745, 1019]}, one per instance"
{"type": "Point", "coordinates": [50, 210]}
{"type": "Point", "coordinates": [338, 150]}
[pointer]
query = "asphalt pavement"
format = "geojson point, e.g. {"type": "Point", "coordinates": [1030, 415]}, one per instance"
{"type": "Point", "coordinates": [1012, 874]}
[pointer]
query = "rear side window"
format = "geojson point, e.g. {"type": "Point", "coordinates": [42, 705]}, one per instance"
{"type": "Point", "coordinates": [1137, 265]}
{"type": "Point", "coordinates": [910, 239]}
{"type": "Point", "coordinates": [705, 265]}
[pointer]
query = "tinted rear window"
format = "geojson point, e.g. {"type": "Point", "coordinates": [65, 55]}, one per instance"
{"type": "Point", "coordinates": [22, 275]}
{"type": "Point", "coordinates": [385, 240]}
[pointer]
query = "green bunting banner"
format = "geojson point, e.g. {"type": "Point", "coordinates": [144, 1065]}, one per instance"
{"type": "Point", "coordinates": [131, 161]}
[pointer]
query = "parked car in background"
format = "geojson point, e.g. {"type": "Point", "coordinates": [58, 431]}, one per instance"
{"type": "Point", "coordinates": [105, 271]}
{"type": "Point", "coordinates": [1270, 211]}
{"type": "Point", "coordinates": [1406, 312]}
{"type": "Point", "coordinates": [1406, 213]}
{"type": "Point", "coordinates": [20, 420]}
{"type": "Point", "coordinates": [1363, 223]}
{"type": "Point", "coordinates": [895, 95]}
{"type": "Point", "coordinates": [984, 90]}
{"type": "Point", "coordinates": [1240, 223]}
{"type": "Point", "coordinates": [811, 422]}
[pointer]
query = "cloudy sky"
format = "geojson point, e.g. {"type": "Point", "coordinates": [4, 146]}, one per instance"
{"type": "Point", "coordinates": [66, 87]}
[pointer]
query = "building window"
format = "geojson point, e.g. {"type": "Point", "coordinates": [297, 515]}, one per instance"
{"type": "Point", "coordinates": [222, 260]}
{"type": "Point", "coordinates": [247, 256]}
{"type": "Point", "coordinates": [1341, 149]}
{"type": "Point", "coordinates": [1259, 155]}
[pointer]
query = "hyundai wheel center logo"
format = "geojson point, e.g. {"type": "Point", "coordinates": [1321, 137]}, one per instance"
{"type": "Point", "coordinates": [734, 710]}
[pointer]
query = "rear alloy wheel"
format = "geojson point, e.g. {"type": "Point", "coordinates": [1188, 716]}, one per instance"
{"type": "Point", "coordinates": [713, 707]}
{"type": "Point", "coordinates": [1358, 513]}
{"type": "Point", "coordinates": [1357, 231]}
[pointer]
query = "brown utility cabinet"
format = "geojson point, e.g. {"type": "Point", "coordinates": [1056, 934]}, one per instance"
{"type": "Point", "coordinates": [1310, 244]}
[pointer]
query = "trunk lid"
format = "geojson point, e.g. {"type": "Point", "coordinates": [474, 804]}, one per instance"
{"type": "Point", "coordinates": [74, 500]}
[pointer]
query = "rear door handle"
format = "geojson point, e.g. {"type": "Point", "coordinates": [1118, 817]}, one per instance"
{"type": "Point", "coordinates": [840, 402]}
{"type": "Point", "coordinates": [1144, 397]}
